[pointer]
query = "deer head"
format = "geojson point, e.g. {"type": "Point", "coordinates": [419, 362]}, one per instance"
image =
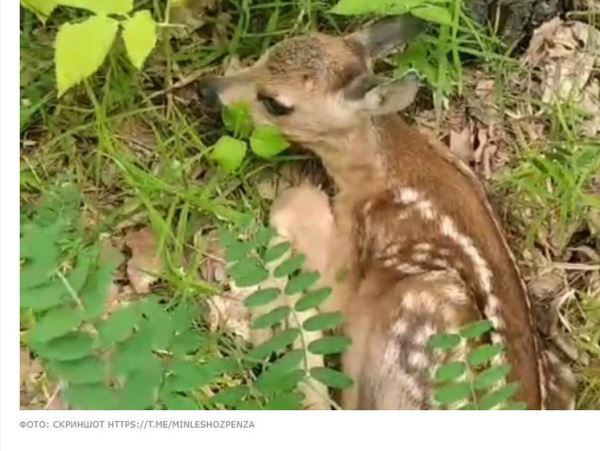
{"type": "Point", "coordinates": [310, 85]}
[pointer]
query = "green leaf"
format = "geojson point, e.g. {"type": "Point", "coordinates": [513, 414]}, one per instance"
{"type": "Point", "coordinates": [270, 383]}
{"type": "Point", "coordinates": [229, 153]}
{"type": "Point", "coordinates": [262, 297]}
{"type": "Point", "coordinates": [91, 396]}
{"type": "Point", "coordinates": [83, 371]}
{"type": "Point", "coordinates": [277, 251]}
{"type": "Point", "coordinates": [134, 353]}
{"type": "Point", "coordinates": [81, 49]}
{"type": "Point", "coordinates": [160, 324]}
{"type": "Point", "coordinates": [139, 34]}
{"type": "Point", "coordinates": [58, 291]}
{"type": "Point", "coordinates": [274, 344]}
{"type": "Point", "coordinates": [453, 393]}
{"type": "Point", "coordinates": [285, 401]}
{"type": "Point", "coordinates": [331, 378]}
{"type": "Point", "coordinates": [231, 396]}
{"type": "Point", "coordinates": [73, 346]}
{"type": "Point", "coordinates": [40, 252]}
{"type": "Point", "coordinates": [301, 282]}
{"type": "Point", "coordinates": [238, 120]}
{"type": "Point", "coordinates": [323, 321]}
{"type": "Point", "coordinates": [268, 320]}
{"type": "Point", "coordinates": [188, 376]}
{"type": "Point", "coordinates": [119, 326]}
{"type": "Point", "coordinates": [313, 299]}
{"type": "Point", "coordinates": [491, 376]}
{"type": "Point", "coordinates": [183, 315]}
{"type": "Point", "coordinates": [358, 7]}
{"type": "Point", "coordinates": [289, 266]}
{"type": "Point", "coordinates": [450, 371]}
{"type": "Point", "coordinates": [55, 323]}
{"type": "Point", "coordinates": [267, 141]}
{"type": "Point", "coordinates": [43, 297]}
{"type": "Point", "coordinates": [263, 237]}
{"type": "Point", "coordinates": [140, 390]}
{"type": "Point", "coordinates": [329, 345]}
{"type": "Point", "coordinates": [499, 396]}
{"type": "Point", "coordinates": [94, 293]}
{"type": "Point", "coordinates": [290, 361]}
{"type": "Point", "coordinates": [444, 341]}
{"type": "Point", "coordinates": [237, 251]}
{"type": "Point", "coordinates": [186, 342]}
{"type": "Point", "coordinates": [484, 354]}
{"type": "Point", "coordinates": [432, 13]}
{"type": "Point", "coordinates": [100, 6]}
{"type": "Point", "coordinates": [248, 272]}
{"type": "Point", "coordinates": [476, 330]}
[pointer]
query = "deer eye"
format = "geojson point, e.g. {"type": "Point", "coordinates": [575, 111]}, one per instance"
{"type": "Point", "coordinates": [273, 106]}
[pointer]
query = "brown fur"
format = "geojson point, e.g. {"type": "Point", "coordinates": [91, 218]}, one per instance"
{"type": "Point", "coordinates": [413, 231]}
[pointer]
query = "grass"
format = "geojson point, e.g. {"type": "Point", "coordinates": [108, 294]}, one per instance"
{"type": "Point", "coordinates": [138, 152]}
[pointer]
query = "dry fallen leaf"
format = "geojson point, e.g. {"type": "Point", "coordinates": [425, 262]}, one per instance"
{"type": "Point", "coordinates": [461, 143]}
{"type": "Point", "coordinates": [229, 312]}
{"type": "Point", "coordinates": [567, 55]}
{"type": "Point", "coordinates": [145, 263]}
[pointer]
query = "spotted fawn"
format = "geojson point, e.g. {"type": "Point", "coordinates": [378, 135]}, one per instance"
{"type": "Point", "coordinates": [411, 245]}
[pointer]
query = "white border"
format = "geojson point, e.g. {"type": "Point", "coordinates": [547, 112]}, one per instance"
{"type": "Point", "coordinates": [273, 430]}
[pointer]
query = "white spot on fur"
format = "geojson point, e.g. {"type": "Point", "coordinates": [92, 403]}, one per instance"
{"type": "Point", "coordinates": [442, 263]}
{"type": "Point", "coordinates": [418, 359]}
{"type": "Point", "coordinates": [444, 252]}
{"type": "Point", "coordinates": [407, 196]}
{"type": "Point", "coordinates": [420, 257]}
{"type": "Point", "coordinates": [422, 335]}
{"type": "Point", "coordinates": [423, 247]}
{"type": "Point", "coordinates": [407, 268]}
{"type": "Point", "coordinates": [456, 294]}
{"type": "Point", "coordinates": [426, 209]}
{"type": "Point", "coordinates": [390, 262]}
{"type": "Point", "coordinates": [484, 274]}
{"type": "Point", "coordinates": [400, 327]}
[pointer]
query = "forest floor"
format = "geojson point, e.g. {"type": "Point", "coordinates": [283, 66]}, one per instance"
{"type": "Point", "coordinates": [137, 146]}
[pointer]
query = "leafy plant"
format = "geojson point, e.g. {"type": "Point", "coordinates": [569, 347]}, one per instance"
{"type": "Point", "coordinates": [437, 11]}
{"type": "Point", "coordinates": [266, 141]}
{"type": "Point", "coordinates": [478, 382]}
{"type": "Point", "coordinates": [150, 353]}
{"type": "Point", "coordinates": [76, 62]}
{"type": "Point", "coordinates": [259, 262]}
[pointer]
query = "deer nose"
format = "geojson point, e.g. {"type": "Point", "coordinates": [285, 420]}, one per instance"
{"type": "Point", "coordinates": [209, 92]}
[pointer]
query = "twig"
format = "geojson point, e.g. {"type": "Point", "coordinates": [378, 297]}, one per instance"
{"type": "Point", "coordinates": [181, 83]}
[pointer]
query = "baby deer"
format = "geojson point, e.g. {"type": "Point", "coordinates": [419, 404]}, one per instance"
{"type": "Point", "coordinates": [411, 246]}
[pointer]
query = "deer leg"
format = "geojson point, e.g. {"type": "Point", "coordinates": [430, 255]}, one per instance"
{"type": "Point", "coordinates": [302, 215]}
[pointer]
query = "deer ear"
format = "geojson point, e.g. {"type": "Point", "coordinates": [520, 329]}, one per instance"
{"type": "Point", "coordinates": [374, 96]}
{"type": "Point", "coordinates": [387, 35]}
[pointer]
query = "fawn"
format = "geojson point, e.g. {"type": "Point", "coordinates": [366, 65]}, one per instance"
{"type": "Point", "coordinates": [411, 246]}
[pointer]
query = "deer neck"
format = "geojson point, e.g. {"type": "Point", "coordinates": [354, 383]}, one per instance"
{"type": "Point", "coordinates": [355, 160]}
